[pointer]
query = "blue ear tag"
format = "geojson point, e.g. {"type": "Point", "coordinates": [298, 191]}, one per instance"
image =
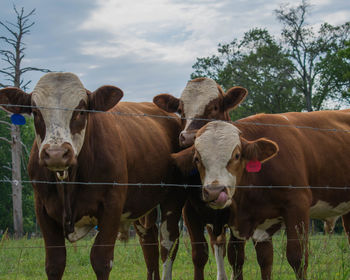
{"type": "Point", "coordinates": [194, 172]}
{"type": "Point", "coordinates": [18, 119]}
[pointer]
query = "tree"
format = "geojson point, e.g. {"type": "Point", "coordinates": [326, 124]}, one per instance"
{"type": "Point", "coordinates": [258, 63]}
{"type": "Point", "coordinates": [13, 55]}
{"type": "Point", "coordinates": [343, 76]}
{"type": "Point", "coordinates": [314, 55]}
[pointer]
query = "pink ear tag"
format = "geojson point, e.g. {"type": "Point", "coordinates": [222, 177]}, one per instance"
{"type": "Point", "coordinates": [253, 166]}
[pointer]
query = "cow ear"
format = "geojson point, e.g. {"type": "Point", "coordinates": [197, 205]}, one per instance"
{"type": "Point", "coordinates": [233, 97]}
{"type": "Point", "coordinates": [261, 149]}
{"type": "Point", "coordinates": [104, 98]}
{"type": "Point", "coordinates": [167, 102]}
{"type": "Point", "coordinates": [184, 160]}
{"type": "Point", "coordinates": [15, 96]}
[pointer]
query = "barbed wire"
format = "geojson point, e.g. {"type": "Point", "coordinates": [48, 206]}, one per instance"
{"type": "Point", "coordinates": [134, 244]}
{"type": "Point", "coordinates": [182, 118]}
{"type": "Point", "coordinates": [140, 185]}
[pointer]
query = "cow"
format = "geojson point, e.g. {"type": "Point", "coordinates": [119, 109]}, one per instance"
{"type": "Point", "coordinates": [304, 175]}
{"type": "Point", "coordinates": [201, 101]}
{"type": "Point", "coordinates": [88, 147]}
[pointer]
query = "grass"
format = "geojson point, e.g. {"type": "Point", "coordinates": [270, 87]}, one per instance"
{"type": "Point", "coordinates": [329, 259]}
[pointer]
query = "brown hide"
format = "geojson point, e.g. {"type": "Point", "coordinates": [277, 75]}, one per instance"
{"type": "Point", "coordinates": [307, 157]}
{"type": "Point", "coordinates": [316, 157]}
{"type": "Point", "coordinates": [117, 148]}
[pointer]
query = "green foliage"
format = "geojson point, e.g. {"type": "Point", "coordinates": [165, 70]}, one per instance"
{"type": "Point", "coordinates": [257, 63]}
{"type": "Point", "coordinates": [343, 76]}
{"type": "Point", "coordinates": [309, 70]}
{"type": "Point", "coordinates": [314, 56]}
{"type": "Point", "coordinates": [27, 136]}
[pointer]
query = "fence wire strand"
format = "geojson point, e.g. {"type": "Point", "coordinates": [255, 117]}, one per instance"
{"type": "Point", "coordinates": [178, 117]}
{"type": "Point", "coordinates": [134, 244]}
{"type": "Point", "coordinates": [166, 185]}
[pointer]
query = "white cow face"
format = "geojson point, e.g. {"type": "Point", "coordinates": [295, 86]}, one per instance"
{"type": "Point", "coordinates": [201, 100]}
{"type": "Point", "coordinates": [59, 128]}
{"type": "Point", "coordinates": [220, 154]}
{"type": "Point", "coordinates": [59, 101]}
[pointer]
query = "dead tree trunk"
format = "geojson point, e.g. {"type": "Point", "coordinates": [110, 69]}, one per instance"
{"type": "Point", "coordinates": [16, 151]}
{"type": "Point", "coordinates": [13, 55]}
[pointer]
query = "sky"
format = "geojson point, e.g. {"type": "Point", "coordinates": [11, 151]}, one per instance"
{"type": "Point", "coordinates": [144, 47]}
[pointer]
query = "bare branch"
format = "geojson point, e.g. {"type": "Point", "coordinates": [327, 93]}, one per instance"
{"type": "Point", "coordinates": [8, 41]}
{"type": "Point", "coordinates": [26, 69]}
{"type": "Point", "coordinates": [25, 86]}
{"type": "Point", "coordinates": [6, 123]}
{"type": "Point", "coordinates": [7, 73]}
{"type": "Point", "coordinates": [8, 29]}
{"type": "Point", "coordinates": [6, 140]}
{"type": "Point", "coordinates": [25, 149]}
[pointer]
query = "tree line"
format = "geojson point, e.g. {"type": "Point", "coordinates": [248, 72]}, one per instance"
{"type": "Point", "coordinates": [306, 69]}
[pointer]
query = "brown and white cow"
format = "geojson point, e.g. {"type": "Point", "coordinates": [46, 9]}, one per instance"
{"type": "Point", "coordinates": [202, 101]}
{"type": "Point", "coordinates": [95, 148]}
{"type": "Point", "coordinates": [307, 178]}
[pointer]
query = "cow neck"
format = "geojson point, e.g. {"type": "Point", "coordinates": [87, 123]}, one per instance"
{"type": "Point", "coordinates": [66, 193]}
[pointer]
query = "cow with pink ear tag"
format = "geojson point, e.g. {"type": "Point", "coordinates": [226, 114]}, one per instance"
{"type": "Point", "coordinates": [273, 171]}
{"type": "Point", "coordinates": [202, 101]}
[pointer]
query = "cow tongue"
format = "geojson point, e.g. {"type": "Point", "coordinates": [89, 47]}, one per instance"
{"type": "Point", "coordinates": [221, 200]}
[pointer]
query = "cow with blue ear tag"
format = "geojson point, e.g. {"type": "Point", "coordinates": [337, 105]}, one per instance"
{"type": "Point", "coordinates": [84, 143]}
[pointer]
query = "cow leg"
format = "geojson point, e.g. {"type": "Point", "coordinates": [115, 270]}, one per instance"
{"type": "Point", "coordinates": [297, 225]}
{"type": "Point", "coordinates": [264, 255]}
{"type": "Point", "coordinates": [55, 259]}
{"type": "Point", "coordinates": [329, 224]}
{"type": "Point", "coordinates": [218, 245]}
{"type": "Point", "coordinates": [147, 231]}
{"type": "Point", "coordinates": [169, 233]}
{"type": "Point", "coordinates": [199, 245]}
{"type": "Point", "coordinates": [346, 225]}
{"type": "Point", "coordinates": [235, 255]}
{"type": "Point", "coordinates": [102, 251]}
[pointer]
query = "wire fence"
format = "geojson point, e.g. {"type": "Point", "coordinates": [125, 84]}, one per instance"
{"type": "Point", "coordinates": [163, 185]}
{"type": "Point", "coordinates": [330, 129]}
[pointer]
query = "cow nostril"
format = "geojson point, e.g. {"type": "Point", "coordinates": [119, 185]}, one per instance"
{"type": "Point", "coordinates": [205, 194]}
{"type": "Point", "coordinates": [182, 137]}
{"type": "Point", "coordinates": [46, 155]}
{"type": "Point", "coordinates": [66, 153]}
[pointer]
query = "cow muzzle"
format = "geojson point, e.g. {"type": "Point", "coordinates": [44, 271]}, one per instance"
{"type": "Point", "coordinates": [58, 158]}
{"type": "Point", "coordinates": [186, 138]}
{"type": "Point", "coordinates": [215, 196]}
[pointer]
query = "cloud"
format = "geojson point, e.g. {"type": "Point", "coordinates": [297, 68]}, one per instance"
{"type": "Point", "coordinates": [156, 30]}
{"type": "Point", "coordinates": [337, 18]}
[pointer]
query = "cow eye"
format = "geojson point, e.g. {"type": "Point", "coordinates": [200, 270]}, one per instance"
{"type": "Point", "coordinates": [179, 111]}
{"type": "Point", "coordinates": [196, 160]}
{"type": "Point", "coordinates": [237, 156]}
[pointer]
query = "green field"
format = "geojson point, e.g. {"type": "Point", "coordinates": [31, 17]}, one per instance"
{"type": "Point", "coordinates": [24, 259]}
